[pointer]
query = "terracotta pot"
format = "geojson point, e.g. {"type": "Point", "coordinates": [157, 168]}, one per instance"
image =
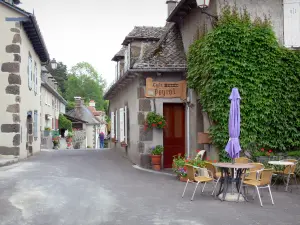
{"type": "Point", "coordinates": [183, 179]}
{"type": "Point", "coordinates": [156, 162]}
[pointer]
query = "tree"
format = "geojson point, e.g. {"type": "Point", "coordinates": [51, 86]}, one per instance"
{"type": "Point", "coordinates": [84, 81]}
{"type": "Point", "coordinates": [61, 76]}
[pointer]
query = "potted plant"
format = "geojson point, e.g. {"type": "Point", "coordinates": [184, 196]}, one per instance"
{"type": "Point", "coordinates": [156, 153]}
{"type": "Point", "coordinates": [154, 120]}
{"type": "Point", "coordinates": [69, 137]}
{"type": "Point", "coordinates": [55, 141]}
{"type": "Point", "coordinates": [47, 131]}
{"type": "Point", "coordinates": [123, 144]}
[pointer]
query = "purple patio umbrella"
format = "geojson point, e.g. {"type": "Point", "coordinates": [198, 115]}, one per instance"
{"type": "Point", "coordinates": [233, 147]}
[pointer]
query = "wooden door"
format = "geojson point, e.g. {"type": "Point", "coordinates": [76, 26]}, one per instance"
{"type": "Point", "coordinates": [174, 133]}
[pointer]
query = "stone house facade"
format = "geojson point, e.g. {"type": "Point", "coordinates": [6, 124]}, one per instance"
{"type": "Point", "coordinates": [156, 53]}
{"type": "Point", "coordinates": [22, 53]}
{"type": "Point", "coordinates": [52, 103]}
{"type": "Point", "coordinates": [193, 23]}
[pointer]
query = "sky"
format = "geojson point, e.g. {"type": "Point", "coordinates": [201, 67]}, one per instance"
{"type": "Point", "coordinates": [92, 30]}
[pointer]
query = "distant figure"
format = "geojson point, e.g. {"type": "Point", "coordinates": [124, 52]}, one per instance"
{"type": "Point", "coordinates": [101, 137]}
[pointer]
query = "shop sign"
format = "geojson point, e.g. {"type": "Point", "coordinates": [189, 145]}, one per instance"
{"type": "Point", "coordinates": [165, 89]}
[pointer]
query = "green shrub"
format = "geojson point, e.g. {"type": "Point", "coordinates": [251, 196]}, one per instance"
{"type": "Point", "coordinates": [245, 54]}
{"type": "Point", "coordinates": [64, 123]}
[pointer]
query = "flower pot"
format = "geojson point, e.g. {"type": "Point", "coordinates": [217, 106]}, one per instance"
{"type": "Point", "coordinates": [183, 179]}
{"type": "Point", "coordinates": [156, 162]}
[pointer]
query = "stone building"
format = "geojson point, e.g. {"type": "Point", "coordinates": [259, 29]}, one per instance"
{"type": "Point", "coordinates": [22, 53]}
{"type": "Point", "coordinates": [151, 57]}
{"type": "Point", "coordinates": [194, 21]}
{"type": "Point", "coordinates": [92, 126]}
{"type": "Point", "coordinates": [52, 103]}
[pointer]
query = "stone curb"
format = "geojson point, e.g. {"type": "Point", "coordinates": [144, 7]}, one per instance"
{"type": "Point", "coordinates": [7, 162]}
{"type": "Point", "coordinates": [152, 171]}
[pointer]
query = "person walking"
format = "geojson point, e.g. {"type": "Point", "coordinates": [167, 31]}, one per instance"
{"type": "Point", "coordinates": [101, 137]}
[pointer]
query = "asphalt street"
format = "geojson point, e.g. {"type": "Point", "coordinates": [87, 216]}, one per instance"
{"type": "Point", "coordinates": [77, 187]}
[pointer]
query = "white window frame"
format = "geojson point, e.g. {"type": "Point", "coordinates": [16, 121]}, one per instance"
{"type": "Point", "coordinates": [125, 124]}
{"type": "Point", "coordinates": [291, 13]}
{"type": "Point", "coordinates": [116, 125]}
{"type": "Point", "coordinates": [127, 58]}
{"type": "Point", "coordinates": [29, 71]}
{"type": "Point", "coordinates": [35, 79]}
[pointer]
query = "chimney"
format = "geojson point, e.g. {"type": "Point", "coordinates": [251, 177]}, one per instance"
{"type": "Point", "coordinates": [78, 102]}
{"type": "Point", "coordinates": [171, 6]}
{"type": "Point", "coordinates": [92, 103]}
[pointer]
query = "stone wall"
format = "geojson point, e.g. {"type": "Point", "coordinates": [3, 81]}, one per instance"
{"type": "Point", "coordinates": [10, 91]}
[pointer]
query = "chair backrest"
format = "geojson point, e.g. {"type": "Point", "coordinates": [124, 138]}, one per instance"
{"type": "Point", "coordinates": [292, 168]}
{"type": "Point", "coordinates": [200, 154]}
{"type": "Point", "coordinates": [257, 166]}
{"type": "Point", "coordinates": [190, 170]}
{"type": "Point", "coordinates": [266, 176]}
{"type": "Point", "coordinates": [253, 171]}
{"type": "Point", "coordinates": [242, 160]}
{"type": "Point", "coordinates": [209, 166]}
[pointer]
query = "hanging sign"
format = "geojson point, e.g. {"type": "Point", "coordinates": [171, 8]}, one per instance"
{"type": "Point", "coordinates": [165, 89]}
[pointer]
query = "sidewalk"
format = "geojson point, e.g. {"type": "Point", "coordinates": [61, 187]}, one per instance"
{"type": "Point", "coordinates": [7, 160]}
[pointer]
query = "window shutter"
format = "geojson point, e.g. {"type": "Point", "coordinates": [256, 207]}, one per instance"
{"type": "Point", "coordinates": [112, 129]}
{"type": "Point", "coordinates": [30, 72]}
{"type": "Point", "coordinates": [35, 125]}
{"type": "Point", "coordinates": [35, 79]}
{"type": "Point", "coordinates": [122, 125]}
{"type": "Point", "coordinates": [292, 23]}
{"type": "Point", "coordinates": [125, 124]}
{"type": "Point", "coordinates": [117, 127]}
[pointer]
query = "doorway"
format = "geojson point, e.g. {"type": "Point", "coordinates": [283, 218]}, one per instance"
{"type": "Point", "coordinates": [174, 133]}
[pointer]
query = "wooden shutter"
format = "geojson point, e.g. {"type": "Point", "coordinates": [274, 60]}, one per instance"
{"type": "Point", "coordinates": [112, 128]}
{"type": "Point", "coordinates": [122, 125]}
{"type": "Point", "coordinates": [292, 23]}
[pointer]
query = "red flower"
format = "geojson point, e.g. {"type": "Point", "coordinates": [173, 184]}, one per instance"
{"type": "Point", "coordinates": [215, 161]}
{"type": "Point", "coordinates": [154, 125]}
{"type": "Point", "coordinates": [197, 150]}
{"type": "Point", "coordinates": [262, 149]}
{"type": "Point", "coordinates": [268, 154]}
{"type": "Point", "coordinates": [207, 158]}
{"type": "Point", "coordinates": [270, 151]}
{"type": "Point", "coordinates": [184, 168]}
{"type": "Point", "coordinates": [179, 154]}
{"type": "Point", "coordinates": [159, 122]}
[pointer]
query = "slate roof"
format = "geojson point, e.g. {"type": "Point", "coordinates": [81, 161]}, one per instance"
{"type": "Point", "coordinates": [33, 32]}
{"type": "Point", "coordinates": [83, 113]}
{"type": "Point", "coordinates": [144, 32]}
{"type": "Point", "coordinates": [119, 55]}
{"type": "Point", "coordinates": [168, 52]}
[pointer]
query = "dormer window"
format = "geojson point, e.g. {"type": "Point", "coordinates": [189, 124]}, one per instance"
{"type": "Point", "coordinates": [127, 58]}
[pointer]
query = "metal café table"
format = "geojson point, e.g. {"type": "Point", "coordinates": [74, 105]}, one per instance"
{"type": "Point", "coordinates": [230, 173]}
{"type": "Point", "coordinates": [281, 163]}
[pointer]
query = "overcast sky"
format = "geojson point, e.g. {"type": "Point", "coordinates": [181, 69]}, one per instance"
{"type": "Point", "coordinates": [92, 30]}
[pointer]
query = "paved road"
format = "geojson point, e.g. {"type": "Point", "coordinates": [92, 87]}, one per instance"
{"type": "Point", "coordinates": [100, 187]}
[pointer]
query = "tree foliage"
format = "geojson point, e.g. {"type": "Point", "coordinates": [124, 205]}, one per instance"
{"type": "Point", "coordinates": [64, 123]}
{"type": "Point", "coordinates": [245, 54]}
{"type": "Point", "coordinates": [84, 81]}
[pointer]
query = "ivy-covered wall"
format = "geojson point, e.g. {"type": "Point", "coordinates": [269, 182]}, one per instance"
{"type": "Point", "coordinates": [245, 54]}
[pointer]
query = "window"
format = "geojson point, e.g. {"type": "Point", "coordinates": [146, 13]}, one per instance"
{"type": "Point", "coordinates": [29, 71]}
{"type": "Point", "coordinates": [35, 79]}
{"type": "Point", "coordinates": [123, 124]}
{"type": "Point", "coordinates": [127, 58]}
{"type": "Point", "coordinates": [35, 124]}
{"type": "Point", "coordinates": [117, 126]}
{"type": "Point", "coordinates": [291, 23]}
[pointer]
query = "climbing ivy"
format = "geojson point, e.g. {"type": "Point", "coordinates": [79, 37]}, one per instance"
{"type": "Point", "coordinates": [245, 54]}
{"type": "Point", "coordinates": [64, 123]}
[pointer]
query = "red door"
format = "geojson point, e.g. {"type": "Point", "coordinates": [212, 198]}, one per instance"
{"type": "Point", "coordinates": [174, 133]}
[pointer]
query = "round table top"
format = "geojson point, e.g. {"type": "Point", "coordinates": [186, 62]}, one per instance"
{"type": "Point", "coordinates": [281, 163]}
{"type": "Point", "coordinates": [234, 166]}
